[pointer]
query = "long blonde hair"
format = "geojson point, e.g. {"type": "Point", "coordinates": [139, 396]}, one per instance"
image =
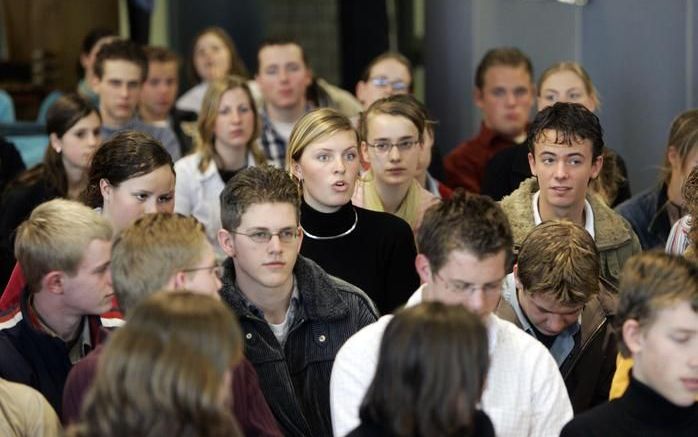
{"type": "Point", "coordinates": [205, 142]}
{"type": "Point", "coordinates": [162, 373]}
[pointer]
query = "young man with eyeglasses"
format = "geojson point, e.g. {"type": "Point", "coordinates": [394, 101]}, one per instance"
{"type": "Point", "coordinates": [504, 93]}
{"type": "Point", "coordinates": [295, 316]}
{"type": "Point", "coordinates": [169, 252]}
{"type": "Point", "coordinates": [464, 249]}
{"type": "Point", "coordinates": [555, 295]}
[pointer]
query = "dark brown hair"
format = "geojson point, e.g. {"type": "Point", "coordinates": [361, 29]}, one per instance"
{"type": "Point", "coordinates": [65, 112]}
{"type": "Point", "coordinates": [571, 123]}
{"type": "Point", "coordinates": [160, 54]}
{"type": "Point", "coordinates": [254, 185]}
{"type": "Point", "coordinates": [466, 221]}
{"type": "Point", "coordinates": [431, 372]}
{"type": "Point", "coordinates": [282, 40]}
{"type": "Point", "coordinates": [126, 155]}
{"type": "Point", "coordinates": [506, 56]}
{"type": "Point", "coordinates": [121, 50]}
{"type": "Point", "coordinates": [650, 282]}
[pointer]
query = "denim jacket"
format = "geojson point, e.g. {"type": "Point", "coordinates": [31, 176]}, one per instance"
{"type": "Point", "coordinates": [295, 377]}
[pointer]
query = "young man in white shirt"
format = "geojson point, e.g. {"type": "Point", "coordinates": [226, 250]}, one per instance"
{"type": "Point", "coordinates": [464, 253]}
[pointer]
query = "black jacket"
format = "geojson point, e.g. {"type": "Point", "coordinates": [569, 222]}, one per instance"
{"type": "Point", "coordinates": [295, 379]}
{"type": "Point", "coordinates": [647, 214]}
{"type": "Point", "coordinates": [32, 357]}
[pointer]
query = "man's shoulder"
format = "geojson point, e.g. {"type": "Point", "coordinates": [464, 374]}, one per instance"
{"type": "Point", "coordinates": [512, 339]}
{"type": "Point", "coordinates": [518, 206]}
{"type": "Point", "coordinates": [365, 342]}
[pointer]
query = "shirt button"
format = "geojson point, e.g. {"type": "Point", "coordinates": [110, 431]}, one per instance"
{"type": "Point", "coordinates": [248, 336]}
{"type": "Point", "coordinates": [322, 338]}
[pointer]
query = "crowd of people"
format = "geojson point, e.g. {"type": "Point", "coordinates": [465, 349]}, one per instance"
{"type": "Point", "coordinates": [271, 255]}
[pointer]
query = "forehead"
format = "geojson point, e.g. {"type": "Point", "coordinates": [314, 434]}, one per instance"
{"type": "Point", "coordinates": [337, 140]}
{"type": "Point", "coordinates": [386, 125]}
{"type": "Point", "coordinates": [506, 76]}
{"type": "Point", "coordinates": [270, 215]}
{"type": "Point", "coordinates": [551, 141]}
{"type": "Point", "coordinates": [563, 79]}
{"type": "Point", "coordinates": [392, 68]}
{"type": "Point", "coordinates": [679, 316]}
{"type": "Point", "coordinates": [549, 302]}
{"type": "Point", "coordinates": [121, 69]}
{"type": "Point", "coordinates": [463, 265]}
{"type": "Point", "coordinates": [157, 68]}
{"type": "Point", "coordinates": [234, 96]}
{"type": "Point", "coordinates": [209, 39]}
{"type": "Point", "coordinates": [97, 252]}
{"type": "Point", "coordinates": [157, 181]}
{"type": "Point", "coordinates": [280, 54]}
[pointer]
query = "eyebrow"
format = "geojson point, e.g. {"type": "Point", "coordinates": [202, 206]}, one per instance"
{"type": "Point", "coordinates": [101, 267]}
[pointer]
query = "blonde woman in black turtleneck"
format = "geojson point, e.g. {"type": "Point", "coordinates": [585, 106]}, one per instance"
{"type": "Point", "coordinates": [372, 250]}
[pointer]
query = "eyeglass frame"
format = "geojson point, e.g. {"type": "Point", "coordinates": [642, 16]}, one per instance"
{"type": "Point", "coordinates": [266, 240]}
{"type": "Point", "coordinates": [471, 289]}
{"type": "Point", "coordinates": [383, 82]}
{"type": "Point", "coordinates": [380, 151]}
{"type": "Point", "coordinates": [216, 269]}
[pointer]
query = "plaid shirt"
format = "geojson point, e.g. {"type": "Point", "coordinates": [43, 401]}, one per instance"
{"type": "Point", "coordinates": [273, 144]}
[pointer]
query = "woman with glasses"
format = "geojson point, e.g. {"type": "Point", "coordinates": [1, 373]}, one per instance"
{"type": "Point", "coordinates": [228, 129]}
{"type": "Point", "coordinates": [415, 394]}
{"type": "Point", "coordinates": [392, 133]}
{"type": "Point", "coordinates": [374, 251]}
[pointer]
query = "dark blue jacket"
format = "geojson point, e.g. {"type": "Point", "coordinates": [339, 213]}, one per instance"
{"type": "Point", "coordinates": [648, 216]}
{"type": "Point", "coordinates": [295, 378]}
{"type": "Point", "coordinates": [32, 357]}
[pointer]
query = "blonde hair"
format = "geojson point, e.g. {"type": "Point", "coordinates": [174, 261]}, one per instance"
{"type": "Point", "coordinates": [314, 126]}
{"type": "Point", "coordinates": [683, 136]}
{"type": "Point", "coordinates": [205, 141]}
{"type": "Point", "coordinates": [162, 373]}
{"type": "Point", "coordinates": [55, 237]}
{"type": "Point", "coordinates": [578, 70]}
{"type": "Point", "coordinates": [560, 259]}
{"type": "Point", "coordinates": [690, 196]}
{"type": "Point", "coordinates": [146, 254]}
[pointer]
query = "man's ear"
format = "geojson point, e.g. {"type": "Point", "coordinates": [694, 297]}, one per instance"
{"type": "Point", "coordinates": [516, 277]}
{"type": "Point", "coordinates": [532, 163]}
{"type": "Point", "coordinates": [596, 166]}
{"type": "Point", "coordinates": [421, 263]}
{"type": "Point", "coordinates": [178, 281]}
{"type": "Point", "coordinates": [478, 97]}
{"type": "Point", "coordinates": [225, 240]}
{"type": "Point", "coordinates": [53, 282]}
{"type": "Point", "coordinates": [633, 336]}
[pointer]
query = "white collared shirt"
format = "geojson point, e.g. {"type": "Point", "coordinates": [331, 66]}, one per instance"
{"type": "Point", "coordinates": [588, 215]}
{"type": "Point", "coordinates": [524, 395]}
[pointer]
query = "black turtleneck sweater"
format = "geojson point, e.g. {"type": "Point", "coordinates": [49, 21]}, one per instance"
{"type": "Point", "coordinates": [639, 412]}
{"type": "Point", "coordinates": [377, 256]}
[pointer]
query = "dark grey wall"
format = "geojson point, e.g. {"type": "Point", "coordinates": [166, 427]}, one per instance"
{"type": "Point", "coordinates": [640, 54]}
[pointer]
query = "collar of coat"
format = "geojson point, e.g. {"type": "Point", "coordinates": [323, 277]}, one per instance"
{"type": "Point", "coordinates": [610, 228]}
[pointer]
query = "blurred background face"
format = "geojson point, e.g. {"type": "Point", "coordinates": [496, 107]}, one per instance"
{"type": "Point", "coordinates": [77, 145]}
{"type": "Point", "coordinates": [394, 166]}
{"type": "Point", "coordinates": [387, 78]}
{"type": "Point", "coordinates": [505, 99]}
{"type": "Point", "coordinates": [119, 91]}
{"type": "Point", "coordinates": [211, 57]}
{"type": "Point", "coordinates": [160, 89]}
{"type": "Point", "coordinates": [566, 87]}
{"type": "Point", "coordinates": [235, 120]}
{"type": "Point", "coordinates": [283, 77]}
{"type": "Point", "coordinates": [133, 198]}
{"type": "Point", "coordinates": [329, 169]}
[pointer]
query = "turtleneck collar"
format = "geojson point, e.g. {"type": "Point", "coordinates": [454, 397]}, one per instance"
{"type": "Point", "coordinates": [327, 224]}
{"type": "Point", "coordinates": [648, 406]}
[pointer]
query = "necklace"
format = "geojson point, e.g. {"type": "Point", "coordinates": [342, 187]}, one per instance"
{"type": "Point", "coordinates": [333, 237]}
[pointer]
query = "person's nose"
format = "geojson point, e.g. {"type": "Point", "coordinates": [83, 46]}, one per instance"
{"type": "Point", "coordinates": [560, 170]}
{"type": "Point", "coordinates": [394, 153]}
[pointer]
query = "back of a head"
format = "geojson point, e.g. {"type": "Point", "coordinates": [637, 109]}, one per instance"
{"type": "Point", "coordinates": [256, 185]}
{"type": "Point", "coordinates": [55, 237]}
{"type": "Point", "coordinates": [502, 56]}
{"type": "Point", "coordinates": [399, 105]}
{"type": "Point", "coordinates": [571, 123]}
{"type": "Point", "coordinates": [121, 50]}
{"type": "Point", "coordinates": [126, 155]}
{"type": "Point", "coordinates": [163, 372]}
{"type": "Point", "coordinates": [148, 253]}
{"type": "Point", "coordinates": [430, 373]}
{"type": "Point", "coordinates": [467, 221]}
{"type": "Point", "coordinates": [560, 259]}
{"type": "Point", "coordinates": [651, 282]}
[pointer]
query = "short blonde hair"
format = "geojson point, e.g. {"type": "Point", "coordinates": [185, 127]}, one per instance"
{"type": "Point", "coordinates": [652, 281]}
{"type": "Point", "coordinates": [146, 254]}
{"type": "Point", "coordinates": [314, 126]}
{"type": "Point", "coordinates": [559, 258]}
{"type": "Point", "coordinates": [206, 139]}
{"type": "Point", "coordinates": [55, 237]}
